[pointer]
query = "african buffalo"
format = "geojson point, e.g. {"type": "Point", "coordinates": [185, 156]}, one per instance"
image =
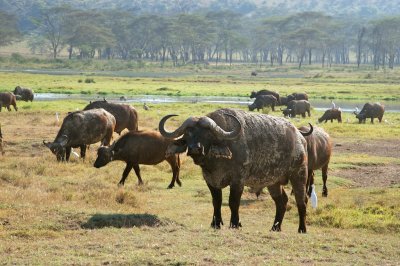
{"type": "Point", "coordinates": [140, 147]}
{"type": "Point", "coordinates": [263, 101]}
{"type": "Point", "coordinates": [235, 148]}
{"type": "Point", "coordinates": [331, 114]}
{"type": "Point", "coordinates": [7, 99]}
{"type": "Point", "coordinates": [125, 115]}
{"type": "Point", "coordinates": [319, 150]}
{"type": "Point", "coordinates": [254, 94]}
{"type": "Point", "coordinates": [371, 110]}
{"type": "Point", "coordinates": [297, 107]}
{"type": "Point", "coordinates": [297, 96]}
{"type": "Point", "coordinates": [25, 94]}
{"type": "Point", "coordinates": [80, 129]}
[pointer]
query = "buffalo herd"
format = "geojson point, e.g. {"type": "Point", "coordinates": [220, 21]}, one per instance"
{"type": "Point", "coordinates": [232, 147]}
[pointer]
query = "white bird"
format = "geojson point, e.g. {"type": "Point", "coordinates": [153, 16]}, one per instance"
{"type": "Point", "coordinates": [145, 107]}
{"type": "Point", "coordinates": [314, 199]}
{"type": "Point", "coordinates": [74, 153]}
{"type": "Point", "coordinates": [333, 104]}
{"type": "Point", "coordinates": [347, 120]}
{"type": "Point", "coordinates": [356, 109]}
{"type": "Point", "coordinates": [57, 117]}
{"type": "Point", "coordinates": [386, 121]}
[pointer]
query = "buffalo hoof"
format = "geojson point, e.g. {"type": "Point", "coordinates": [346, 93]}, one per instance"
{"type": "Point", "coordinates": [276, 227]}
{"type": "Point", "coordinates": [325, 193]}
{"type": "Point", "coordinates": [120, 184]}
{"type": "Point", "coordinates": [216, 224]}
{"type": "Point", "coordinates": [170, 186]}
{"type": "Point", "coordinates": [235, 226]}
{"type": "Point", "coordinates": [302, 230]}
{"type": "Point", "coordinates": [179, 183]}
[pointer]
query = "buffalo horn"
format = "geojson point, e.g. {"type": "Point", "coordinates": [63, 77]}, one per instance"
{"type": "Point", "coordinates": [305, 134]}
{"type": "Point", "coordinates": [207, 122]}
{"type": "Point", "coordinates": [179, 131]}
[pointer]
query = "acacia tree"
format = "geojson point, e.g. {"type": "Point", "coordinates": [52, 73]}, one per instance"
{"type": "Point", "coordinates": [52, 26]}
{"type": "Point", "coordinates": [8, 29]}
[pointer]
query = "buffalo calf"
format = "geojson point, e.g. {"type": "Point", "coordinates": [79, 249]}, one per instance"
{"type": "Point", "coordinates": [331, 114]}
{"type": "Point", "coordinates": [140, 147]}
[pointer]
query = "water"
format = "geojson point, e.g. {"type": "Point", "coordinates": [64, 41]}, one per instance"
{"type": "Point", "coordinates": [317, 104]}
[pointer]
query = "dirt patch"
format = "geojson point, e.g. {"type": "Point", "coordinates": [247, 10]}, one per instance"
{"type": "Point", "coordinates": [372, 176]}
{"type": "Point", "coordinates": [384, 148]}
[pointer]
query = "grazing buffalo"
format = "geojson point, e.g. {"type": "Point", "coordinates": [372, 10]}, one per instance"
{"type": "Point", "coordinates": [235, 148]}
{"type": "Point", "coordinates": [254, 94]}
{"type": "Point", "coordinates": [25, 94]}
{"type": "Point", "coordinates": [371, 110]}
{"type": "Point", "coordinates": [125, 115]}
{"type": "Point", "coordinates": [331, 114]}
{"type": "Point", "coordinates": [82, 128]}
{"type": "Point", "coordinates": [7, 99]}
{"type": "Point", "coordinates": [299, 107]}
{"type": "Point", "coordinates": [319, 150]}
{"type": "Point", "coordinates": [263, 101]}
{"type": "Point", "coordinates": [140, 147]}
{"type": "Point", "coordinates": [297, 96]}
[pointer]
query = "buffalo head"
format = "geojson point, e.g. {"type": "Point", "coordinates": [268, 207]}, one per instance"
{"type": "Point", "coordinates": [57, 148]}
{"type": "Point", "coordinates": [104, 156]}
{"type": "Point", "coordinates": [286, 112]}
{"type": "Point", "coordinates": [253, 94]}
{"type": "Point", "coordinates": [201, 137]}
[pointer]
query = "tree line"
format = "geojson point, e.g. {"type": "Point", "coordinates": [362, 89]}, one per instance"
{"type": "Point", "coordinates": [211, 37]}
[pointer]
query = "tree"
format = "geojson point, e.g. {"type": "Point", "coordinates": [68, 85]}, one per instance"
{"type": "Point", "coordinates": [52, 26]}
{"type": "Point", "coordinates": [8, 29]}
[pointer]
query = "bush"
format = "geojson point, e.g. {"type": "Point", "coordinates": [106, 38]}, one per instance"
{"type": "Point", "coordinates": [89, 80]}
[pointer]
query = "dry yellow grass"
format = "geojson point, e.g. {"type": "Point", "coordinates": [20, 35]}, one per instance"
{"type": "Point", "coordinates": [72, 213]}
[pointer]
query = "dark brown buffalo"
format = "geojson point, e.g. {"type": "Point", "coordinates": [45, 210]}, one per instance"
{"type": "Point", "coordinates": [236, 148]}
{"type": "Point", "coordinates": [125, 115]}
{"type": "Point", "coordinates": [254, 94]}
{"type": "Point", "coordinates": [297, 96]}
{"type": "Point", "coordinates": [25, 94]}
{"type": "Point", "coordinates": [371, 110]}
{"type": "Point", "coordinates": [331, 114]}
{"type": "Point", "coordinates": [82, 128]}
{"type": "Point", "coordinates": [263, 101]}
{"type": "Point", "coordinates": [319, 150]}
{"type": "Point", "coordinates": [297, 107]}
{"type": "Point", "coordinates": [140, 147]}
{"type": "Point", "coordinates": [7, 99]}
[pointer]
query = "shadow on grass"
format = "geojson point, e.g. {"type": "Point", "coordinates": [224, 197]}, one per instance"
{"type": "Point", "coordinates": [122, 220]}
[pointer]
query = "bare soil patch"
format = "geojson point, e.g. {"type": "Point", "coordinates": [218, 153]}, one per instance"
{"type": "Point", "coordinates": [384, 148]}
{"type": "Point", "coordinates": [370, 175]}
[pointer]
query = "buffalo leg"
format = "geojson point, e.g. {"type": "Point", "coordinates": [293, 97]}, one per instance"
{"type": "Point", "coordinates": [8, 108]}
{"type": "Point", "coordinates": [280, 198]}
{"type": "Point", "coordinates": [310, 182]}
{"type": "Point", "coordinates": [216, 194]}
{"type": "Point", "coordinates": [125, 174]}
{"type": "Point", "coordinates": [15, 107]}
{"type": "Point", "coordinates": [67, 153]}
{"type": "Point", "coordinates": [83, 151]}
{"type": "Point", "coordinates": [235, 194]}
{"type": "Point", "coordinates": [137, 172]}
{"type": "Point", "coordinates": [324, 178]}
{"type": "Point", "coordinates": [299, 189]}
{"type": "Point", "coordinates": [174, 162]}
{"type": "Point", "coordinates": [372, 120]}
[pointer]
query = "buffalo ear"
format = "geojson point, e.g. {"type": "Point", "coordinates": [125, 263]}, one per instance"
{"type": "Point", "coordinates": [220, 152]}
{"type": "Point", "coordinates": [174, 148]}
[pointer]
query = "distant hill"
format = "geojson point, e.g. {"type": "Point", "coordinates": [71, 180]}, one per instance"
{"type": "Point", "coordinates": [28, 9]}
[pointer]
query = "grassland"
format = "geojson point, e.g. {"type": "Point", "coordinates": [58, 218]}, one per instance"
{"type": "Point", "coordinates": [72, 213]}
{"type": "Point", "coordinates": [336, 83]}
